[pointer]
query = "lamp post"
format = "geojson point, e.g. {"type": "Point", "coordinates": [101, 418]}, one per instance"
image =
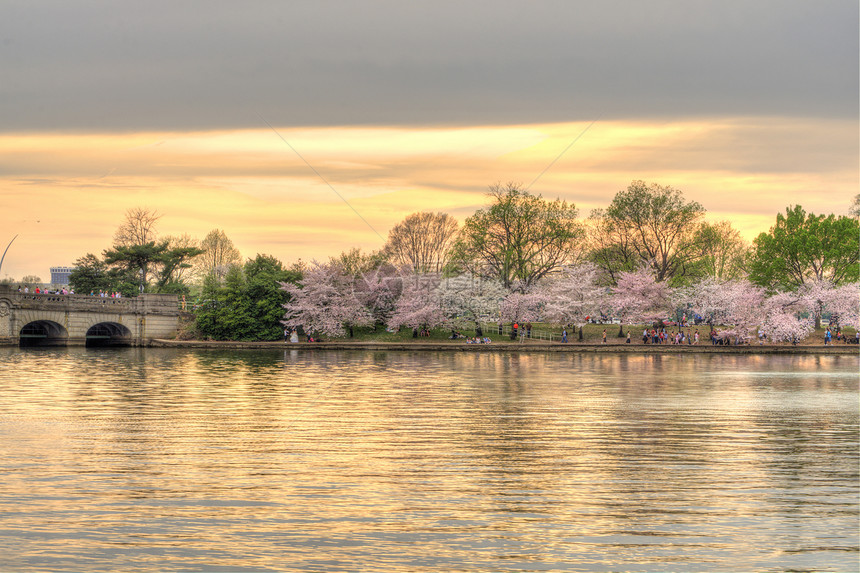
{"type": "Point", "coordinates": [4, 252]}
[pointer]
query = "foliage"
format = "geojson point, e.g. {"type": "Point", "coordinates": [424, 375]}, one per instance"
{"type": "Point", "coordinates": [803, 248]}
{"type": "Point", "coordinates": [647, 224]}
{"type": "Point", "coordinates": [172, 262]}
{"type": "Point", "coordinates": [31, 280]}
{"type": "Point", "coordinates": [135, 260]}
{"type": "Point", "coordinates": [90, 275]}
{"type": "Point", "coordinates": [355, 263]}
{"type": "Point", "coordinates": [249, 303]}
{"type": "Point", "coordinates": [821, 297]}
{"type": "Point", "coordinates": [187, 271]}
{"type": "Point", "coordinates": [422, 241]}
{"type": "Point", "coordinates": [520, 236]}
{"type": "Point", "coordinates": [780, 318]}
{"type": "Point", "coordinates": [723, 251]}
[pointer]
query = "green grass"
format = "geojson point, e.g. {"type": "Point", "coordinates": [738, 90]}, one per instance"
{"type": "Point", "coordinates": [591, 334]}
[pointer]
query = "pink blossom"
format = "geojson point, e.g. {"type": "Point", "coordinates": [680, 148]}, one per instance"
{"type": "Point", "coordinates": [419, 306]}
{"type": "Point", "coordinates": [521, 307]}
{"type": "Point", "coordinates": [735, 304]}
{"type": "Point", "coordinates": [324, 301]}
{"type": "Point", "coordinates": [573, 294]}
{"type": "Point", "coordinates": [639, 299]}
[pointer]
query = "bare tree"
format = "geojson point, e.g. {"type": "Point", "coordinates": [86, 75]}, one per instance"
{"type": "Point", "coordinates": [219, 254]}
{"type": "Point", "coordinates": [138, 228]}
{"type": "Point", "coordinates": [854, 211]}
{"type": "Point", "coordinates": [422, 241]}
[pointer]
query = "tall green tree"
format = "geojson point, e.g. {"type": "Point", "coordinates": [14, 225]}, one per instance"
{"type": "Point", "coordinates": [648, 224]}
{"type": "Point", "coordinates": [263, 277]}
{"type": "Point", "coordinates": [248, 304]}
{"type": "Point", "coordinates": [171, 264]}
{"type": "Point", "coordinates": [90, 275]}
{"type": "Point", "coordinates": [136, 260]}
{"type": "Point", "coordinates": [724, 252]}
{"type": "Point", "coordinates": [354, 262]}
{"type": "Point", "coordinates": [805, 248]}
{"type": "Point", "coordinates": [519, 237]}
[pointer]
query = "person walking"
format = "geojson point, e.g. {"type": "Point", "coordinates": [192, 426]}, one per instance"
{"type": "Point", "coordinates": [604, 336]}
{"type": "Point", "coordinates": [564, 335]}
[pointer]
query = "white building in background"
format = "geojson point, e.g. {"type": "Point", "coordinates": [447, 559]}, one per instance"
{"type": "Point", "coordinates": [60, 276]}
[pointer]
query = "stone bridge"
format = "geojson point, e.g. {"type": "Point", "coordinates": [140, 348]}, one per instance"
{"type": "Point", "coordinates": [67, 320]}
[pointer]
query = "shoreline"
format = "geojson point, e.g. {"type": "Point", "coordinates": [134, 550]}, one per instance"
{"type": "Point", "coordinates": [844, 349]}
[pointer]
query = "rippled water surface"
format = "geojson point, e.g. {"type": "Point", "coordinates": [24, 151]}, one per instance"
{"type": "Point", "coordinates": [175, 460]}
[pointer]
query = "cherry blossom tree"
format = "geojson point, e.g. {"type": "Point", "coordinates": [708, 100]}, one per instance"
{"type": "Point", "coordinates": [734, 304]}
{"type": "Point", "coordinates": [325, 301]}
{"type": "Point", "coordinates": [639, 299]}
{"type": "Point", "coordinates": [573, 295]}
{"type": "Point", "coordinates": [419, 306]}
{"type": "Point", "coordinates": [780, 318]}
{"type": "Point", "coordinates": [522, 307]}
{"type": "Point", "coordinates": [378, 290]}
{"type": "Point", "coordinates": [821, 297]}
{"type": "Point", "coordinates": [844, 303]}
{"type": "Point", "coordinates": [469, 298]}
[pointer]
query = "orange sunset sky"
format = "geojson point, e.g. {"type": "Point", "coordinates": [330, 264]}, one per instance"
{"type": "Point", "coordinates": [746, 109]}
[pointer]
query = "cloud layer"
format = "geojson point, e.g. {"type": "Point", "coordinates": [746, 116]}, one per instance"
{"type": "Point", "coordinates": [106, 66]}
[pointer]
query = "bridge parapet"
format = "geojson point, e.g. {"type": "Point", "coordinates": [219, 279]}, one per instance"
{"type": "Point", "coordinates": [145, 303]}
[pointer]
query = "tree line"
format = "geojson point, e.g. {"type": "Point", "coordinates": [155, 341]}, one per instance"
{"type": "Point", "coordinates": [519, 257]}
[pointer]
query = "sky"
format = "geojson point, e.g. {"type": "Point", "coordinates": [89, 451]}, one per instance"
{"type": "Point", "coordinates": [303, 129]}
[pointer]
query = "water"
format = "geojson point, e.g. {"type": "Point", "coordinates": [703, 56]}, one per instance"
{"type": "Point", "coordinates": [174, 460]}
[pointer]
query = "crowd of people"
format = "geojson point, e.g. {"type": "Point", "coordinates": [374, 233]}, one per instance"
{"type": "Point", "coordinates": [44, 290]}
{"type": "Point", "coordinates": [661, 336]}
{"type": "Point", "coordinates": [25, 289]}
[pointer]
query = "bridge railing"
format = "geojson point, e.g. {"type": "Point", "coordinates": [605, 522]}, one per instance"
{"type": "Point", "coordinates": [145, 303]}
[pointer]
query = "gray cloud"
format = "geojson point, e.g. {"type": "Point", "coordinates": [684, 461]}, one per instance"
{"type": "Point", "coordinates": [203, 65]}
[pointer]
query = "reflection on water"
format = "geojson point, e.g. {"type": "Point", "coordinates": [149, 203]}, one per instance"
{"type": "Point", "coordinates": [394, 461]}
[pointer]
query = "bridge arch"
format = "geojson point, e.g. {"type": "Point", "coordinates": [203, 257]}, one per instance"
{"type": "Point", "coordinates": [109, 334]}
{"type": "Point", "coordinates": [43, 333]}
